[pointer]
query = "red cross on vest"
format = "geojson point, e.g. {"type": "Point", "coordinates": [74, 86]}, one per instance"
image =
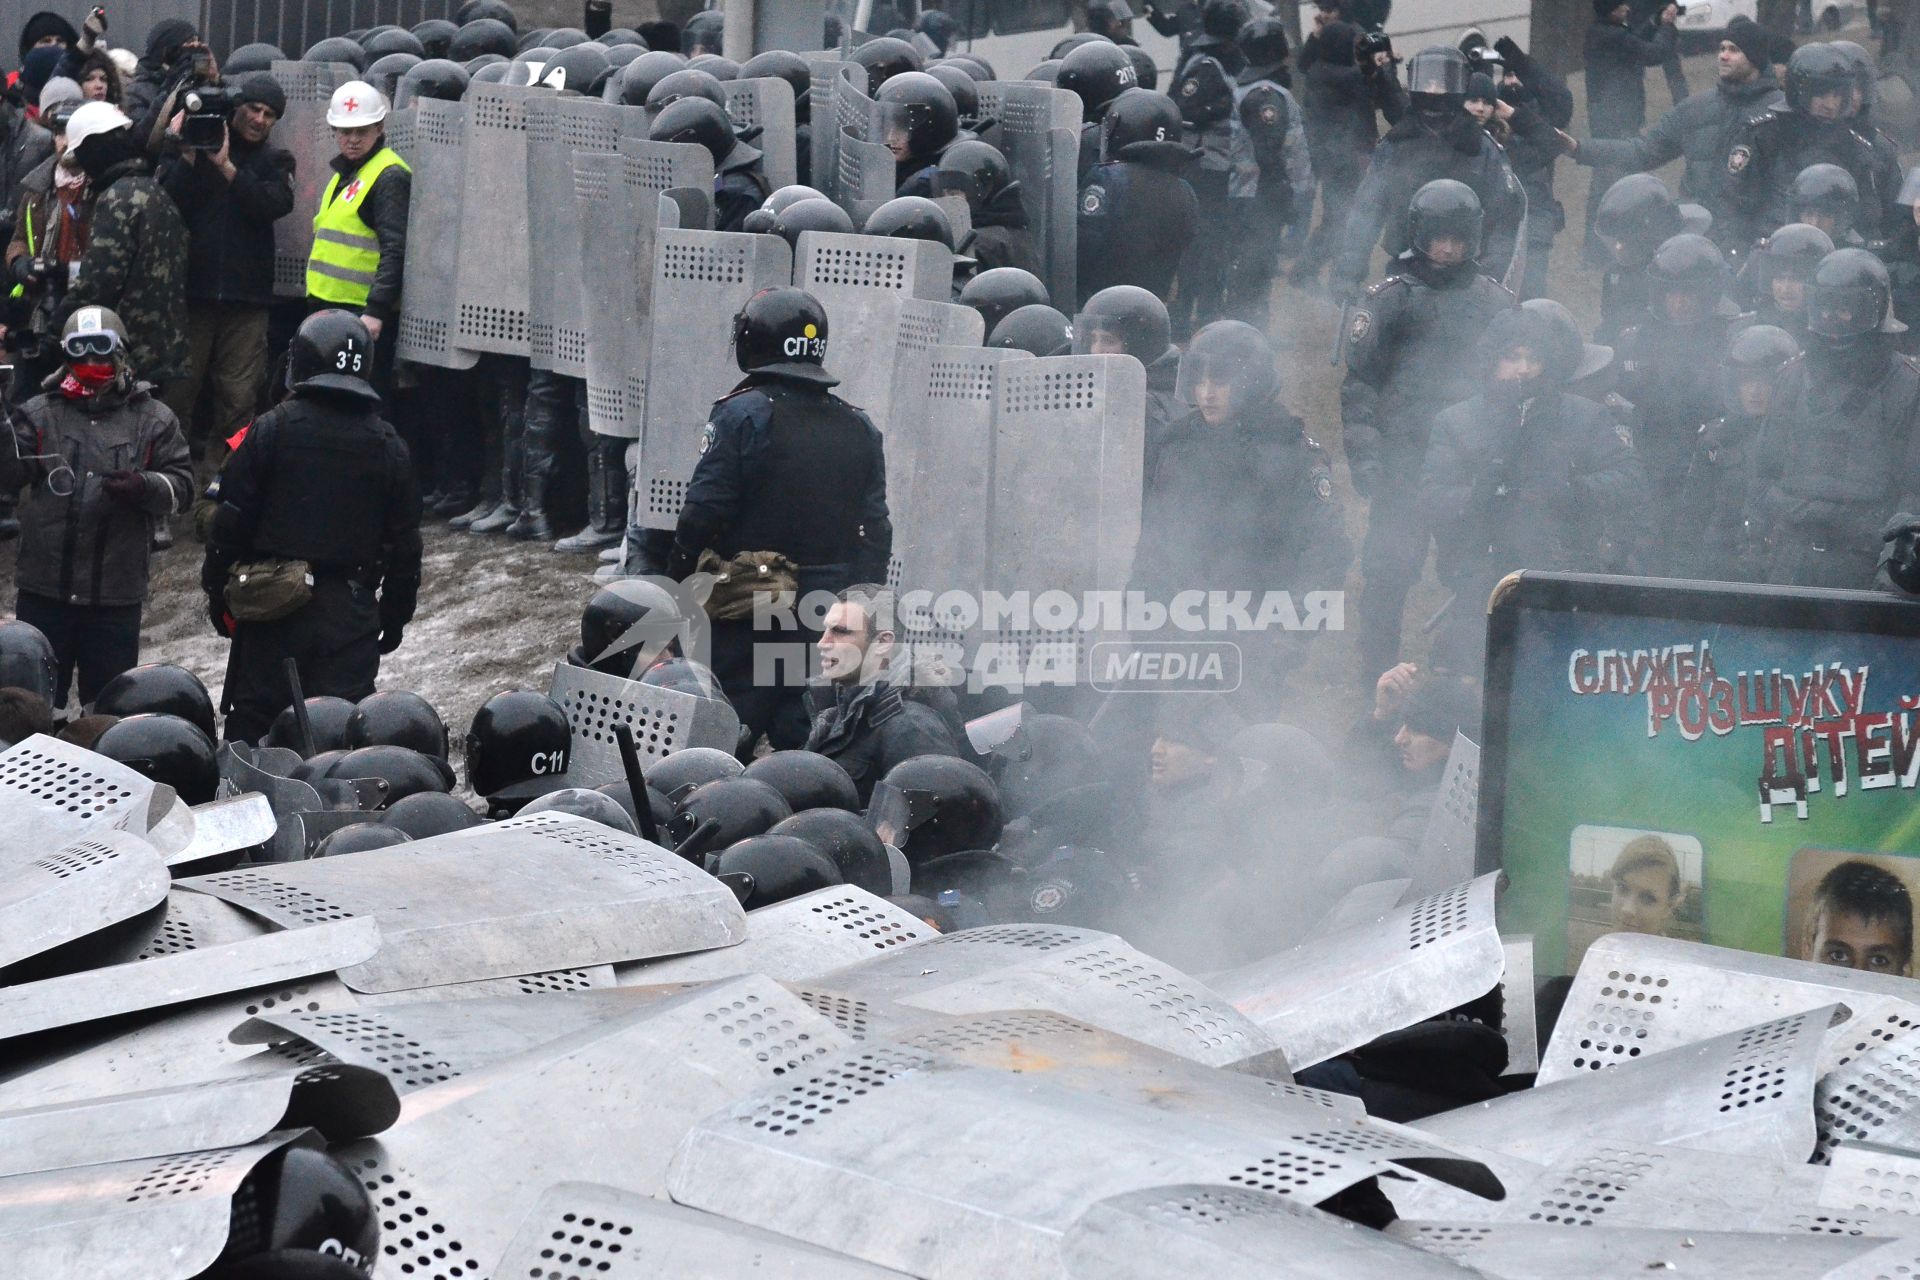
{"type": "Point", "coordinates": [353, 189]}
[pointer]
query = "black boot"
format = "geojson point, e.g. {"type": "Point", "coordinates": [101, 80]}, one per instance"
{"type": "Point", "coordinates": [606, 515]}
{"type": "Point", "coordinates": [503, 516]}
{"type": "Point", "coordinates": [532, 524]}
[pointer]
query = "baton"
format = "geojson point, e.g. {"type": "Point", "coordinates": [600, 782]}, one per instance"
{"type": "Point", "coordinates": [299, 709]}
{"type": "Point", "coordinates": [636, 782]}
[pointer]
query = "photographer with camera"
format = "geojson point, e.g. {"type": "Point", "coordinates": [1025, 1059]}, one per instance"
{"type": "Point", "coordinates": [231, 184]}
{"type": "Point", "coordinates": [49, 235]}
{"type": "Point", "coordinates": [174, 53]}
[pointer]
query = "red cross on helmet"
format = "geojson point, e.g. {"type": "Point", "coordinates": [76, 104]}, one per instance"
{"type": "Point", "coordinates": [354, 104]}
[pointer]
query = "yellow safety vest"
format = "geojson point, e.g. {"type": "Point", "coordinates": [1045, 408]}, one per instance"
{"type": "Point", "coordinates": [346, 252]}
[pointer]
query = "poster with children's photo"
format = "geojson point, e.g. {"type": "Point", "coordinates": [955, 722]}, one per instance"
{"type": "Point", "coordinates": [1731, 765]}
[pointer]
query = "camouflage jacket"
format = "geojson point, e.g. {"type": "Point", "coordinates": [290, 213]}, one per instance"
{"type": "Point", "coordinates": [136, 264]}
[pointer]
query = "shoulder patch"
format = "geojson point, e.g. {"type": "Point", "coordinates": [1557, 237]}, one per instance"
{"type": "Point", "coordinates": [1322, 485]}
{"type": "Point", "coordinates": [1626, 436]}
{"type": "Point", "coordinates": [1359, 326]}
{"type": "Point", "coordinates": [1093, 199]}
{"type": "Point", "coordinates": [708, 434]}
{"type": "Point", "coordinates": [1739, 158]}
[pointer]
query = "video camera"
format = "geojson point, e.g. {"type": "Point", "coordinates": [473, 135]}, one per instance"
{"type": "Point", "coordinates": [209, 107]}
{"type": "Point", "coordinates": [1371, 43]}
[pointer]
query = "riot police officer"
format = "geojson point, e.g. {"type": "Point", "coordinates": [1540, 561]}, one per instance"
{"type": "Point", "coordinates": [1001, 235]}
{"type": "Point", "coordinates": [1138, 214]}
{"type": "Point", "coordinates": [320, 481]}
{"type": "Point", "coordinates": [1403, 346]}
{"type": "Point", "coordinates": [915, 116]}
{"type": "Point", "coordinates": [1779, 271]}
{"type": "Point", "coordinates": [1436, 139]}
{"type": "Point", "coordinates": [739, 182]}
{"type": "Point", "coordinates": [1128, 321]}
{"type": "Point", "coordinates": [1715, 488]}
{"type": "Point", "coordinates": [1097, 72]}
{"type": "Point", "coordinates": [1634, 218]}
{"type": "Point", "coordinates": [791, 477]}
{"type": "Point", "coordinates": [1203, 87]}
{"type": "Point", "coordinates": [1826, 196]}
{"type": "Point", "coordinates": [1271, 190]}
{"type": "Point", "coordinates": [1837, 454]}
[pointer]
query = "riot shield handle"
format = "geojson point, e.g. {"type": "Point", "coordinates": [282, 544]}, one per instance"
{"type": "Point", "coordinates": [636, 782]}
{"type": "Point", "coordinates": [304, 725]}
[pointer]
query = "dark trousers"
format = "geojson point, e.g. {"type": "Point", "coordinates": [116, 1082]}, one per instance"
{"type": "Point", "coordinates": [770, 701]}
{"type": "Point", "coordinates": [101, 640]}
{"type": "Point", "coordinates": [1203, 270]}
{"type": "Point", "coordinates": [333, 640]}
{"type": "Point", "coordinates": [1391, 561]}
{"type": "Point", "coordinates": [1337, 188]}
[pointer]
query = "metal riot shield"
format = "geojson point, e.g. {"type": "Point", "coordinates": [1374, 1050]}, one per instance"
{"type": "Point", "coordinates": [1078, 973]}
{"type": "Point", "coordinates": [793, 940]}
{"type": "Point", "coordinates": [470, 1158]}
{"type": "Point", "coordinates": [1533, 1251]}
{"type": "Point", "coordinates": [222, 829]}
{"type": "Point", "coordinates": [1874, 1097]}
{"type": "Point", "coordinates": [85, 887]}
{"type": "Point", "coordinates": [430, 290]}
{"type": "Point", "coordinates": [701, 279]}
{"type": "Point", "coordinates": [767, 105]}
{"type": "Point", "coordinates": [304, 134]}
{"type": "Point", "coordinates": [865, 177]}
{"type": "Point", "coordinates": [182, 976]}
{"type": "Point", "coordinates": [1335, 993]}
{"type": "Point", "coordinates": [526, 895]}
{"type": "Point", "coordinates": [491, 273]}
{"type": "Point", "coordinates": [559, 278]}
{"type": "Point", "coordinates": [1518, 1016]}
{"type": "Point", "coordinates": [823, 117]}
{"type": "Point", "coordinates": [968, 1149]}
{"type": "Point", "coordinates": [1445, 858]}
{"type": "Point", "coordinates": [662, 720]}
{"type": "Point", "coordinates": [921, 327]}
{"type": "Point", "coordinates": [1039, 131]}
{"type": "Point", "coordinates": [620, 219]}
{"type": "Point", "coordinates": [1636, 994]}
{"type": "Point", "coordinates": [1225, 1231]}
{"type": "Point", "coordinates": [943, 497]}
{"type": "Point", "coordinates": [194, 920]}
{"type": "Point", "coordinates": [864, 282]}
{"type": "Point", "coordinates": [623, 1236]}
{"type": "Point", "coordinates": [851, 117]}
{"type": "Point", "coordinates": [52, 792]}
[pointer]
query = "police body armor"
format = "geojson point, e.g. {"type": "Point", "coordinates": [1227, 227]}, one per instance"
{"type": "Point", "coordinates": [332, 477]}
{"type": "Point", "coordinates": [811, 438]}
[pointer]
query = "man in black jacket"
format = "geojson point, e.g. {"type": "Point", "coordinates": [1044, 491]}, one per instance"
{"type": "Point", "coordinates": [1617, 58]}
{"type": "Point", "coordinates": [230, 199]}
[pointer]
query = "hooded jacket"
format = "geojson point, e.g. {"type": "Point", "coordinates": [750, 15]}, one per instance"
{"type": "Point", "coordinates": [136, 265]}
{"type": "Point", "coordinates": [157, 65]}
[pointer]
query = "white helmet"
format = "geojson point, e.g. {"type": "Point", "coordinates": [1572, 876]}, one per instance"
{"type": "Point", "coordinates": [90, 118]}
{"type": "Point", "coordinates": [354, 103]}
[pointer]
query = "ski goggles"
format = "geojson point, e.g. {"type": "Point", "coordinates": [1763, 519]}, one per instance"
{"type": "Point", "coordinates": [93, 343]}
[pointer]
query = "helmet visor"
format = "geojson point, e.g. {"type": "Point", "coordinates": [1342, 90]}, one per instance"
{"type": "Point", "coordinates": [1103, 336]}
{"type": "Point", "coordinates": [1437, 74]}
{"type": "Point", "coordinates": [1222, 384]}
{"type": "Point", "coordinates": [1843, 311]}
{"type": "Point", "coordinates": [1746, 392]}
{"type": "Point", "coordinates": [894, 813]}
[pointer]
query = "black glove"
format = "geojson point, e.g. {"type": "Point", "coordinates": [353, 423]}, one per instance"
{"type": "Point", "coordinates": [389, 639]}
{"type": "Point", "coordinates": [217, 615]}
{"type": "Point", "coordinates": [1510, 53]}
{"type": "Point", "coordinates": [129, 487]}
{"type": "Point", "coordinates": [25, 269]}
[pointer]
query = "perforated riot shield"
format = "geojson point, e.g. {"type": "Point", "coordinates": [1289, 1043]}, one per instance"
{"type": "Point", "coordinates": [795, 939]}
{"type": "Point", "coordinates": [1039, 131]}
{"type": "Point", "coordinates": [303, 132]}
{"type": "Point", "coordinates": [823, 117]}
{"type": "Point", "coordinates": [99, 885]}
{"type": "Point", "coordinates": [863, 282]}
{"type": "Point", "coordinates": [522, 896]}
{"type": "Point", "coordinates": [564, 280]}
{"type": "Point", "coordinates": [662, 721]}
{"type": "Point", "coordinates": [429, 293]}
{"type": "Point", "coordinates": [865, 177]}
{"type": "Point", "coordinates": [620, 218]}
{"type": "Point", "coordinates": [1445, 857]}
{"type": "Point", "coordinates": [766, 105]}
{"type": "Point", "coordinates": [701, 279]}
{"type": "Point", "coordinates": [1873, 1097]}
{"type": "Point", "coordinates": [851, 118]}
{"type": "Point", "coordinates": [1531, 1249]}
{"type": "Point", "coordinates": [52, 792]}
{"type": "Point", "coordinates": [491, 274]}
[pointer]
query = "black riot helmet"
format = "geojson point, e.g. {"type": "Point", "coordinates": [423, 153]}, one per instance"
{"type": "Point", "coordinates": [518, 747]}
{"type": "Point", "coordinates": [483, 35]}
{"type": "Point", "coordinates": [848, 841]}
{"type": "Point", "coordinates": [974, 65]}
{"type": "Point", "coordinates": [1827, 197]}
{"type": "Point", "coordinates": [326, 718]}
{"type": "Point", "coordinates": [1686, 279]}
{"type": "Point", "coordinates": [158, 688]}
{"type": "Point", "coordinates": [1636, 216]}
{"type": "Point", "coordinates": [426, 814]}
{"type": "Point", "coordinates": [1123, 319]}
{"type": "Point", "coordinates": [782, 331]}
{"type": "Point", "coordinates": [1232, 353]}
{"type": "Point", "coordinates": [999, 292]}
{"type": "Point", "coordinates": [792, 195]}
{"type": "Point", "coordinates": [1037, 329]}
{"type": "Point", "coordinates": [565, 38]}
{"type": "Point", "coordinates": [385, 72]}
{"type": "Point", "coordinates": [627, 626]}
{"type": "Point", "coordinates": [337, 49]}
{"type": "Point", "coordinates": [249, 58]}
{"type": "Point", "coordinates": [927, 806]}
{"type": "Point", "coordinates": [1818, 71]}
{"type": "Point", "coordinates": [917, 109]}
{"type": "Point", "coordinates": [974, 170]}
{"type": "Point", "coordinates": [697, 122]}
{"type": "Point", "coordinates": [806, 780]}
{"type": "Point", "coordinates": [674, 775]}
{"type": "Point", "coordinates": [405, 771]}
{"type": "Point", "coordinates": [1140, 117]}
{"type": "Point", "coordinates": [1437, 79]}
{"type": "Point", "coordinates": [332, 354]}
{"type": "Point", "coordinates": [765, 869]}
{"type": "Point", "coordinates": [1222, 19]}
{"type": "Point", "coordinates": [618, 56]}
{"type": "Point", "coordinates": [1573, 357]}
{"type": "Point", "coordinates": [26, 659]}
{"type": "Point", "coordinates": [435, 36]}
{"type": "Point", "coordinates": [638, 78]}
{"type": "Point", "coordinates": [1045, 72]}
{"type": "Point", "coordinates": [716, 66]}
{"type": "Point", "coordinates": [394, 40]}
{"type": "Point", "coordinates": [1074, 41]}
{"type": "Point", "coordinates": [702, 32]}
{"type": "Point", "coordinates": [166, 749]}
{"type": "Point", "coordinates": [400, 719]}
{"type": "Point", "coordinates": [358, 837]}
{"type": "Point", "coordinates": [886, 58]}
{"type": "Point", "coordinates": [911, 218]}
{"type": "Point", "coordinates": [784, 64]}
{"type": "Point", "coordinates": [1785, 261]}
{"type": "Point", "coordinates": [1863, 74]}
{"type": "Point", "coordinates": [622, 38]}
{"type": "Point", "coordinates": [528, 41]}
{"type": "Point", "coordinates": [736, 808]}
{"type": "Point", "coordinates": [965, 91]}
{"type": "Point", "coordinates": [1145, 72]}
{"type": "Point", "coordinates": [434, 78]}
{"type": "Point", "coordinates": [817, 214]}
{"type": "Point", "coordinates": [584, 802]}
{"type": "Point", "coordinates": [296, 1212]}
{"type": "Point", "coordinates": [496, 10]}
{"type": "Point", "coordinates": [1110, 18]}
{"type": "Point", "coordinates": [582, 68]}
{"type": "Point", "coordinates": [684, 83]}
{"type": "Point", "coordinates": [1445, 209]}
{"type": "Point", "coordinates": [1746, 374]}
{"type": "Point", "coordinates": [1096, 73]}
{"type": "Point", "coordinates": [1264, 41]}
{"type": "Point", "coordinates": [1850, 298]}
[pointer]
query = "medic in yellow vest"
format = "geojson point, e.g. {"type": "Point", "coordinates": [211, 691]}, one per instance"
{"type": "Point", "coordinates": [360, 231]}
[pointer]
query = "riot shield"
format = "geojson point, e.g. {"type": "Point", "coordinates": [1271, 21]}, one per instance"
{"type": "Point", "coordinates": [793, 940]}
{"type": "Point", "coordinates": [52, 792]}
{"type": "Point", "coordinates": [1519, 1025]}
{"type": "Point", "coordinates": [1874, 1097]}
{"type": "Point", "coordinates": [522, 896]}
{"type": "Point", "coordinates": [1631, 1253]}
{"type": "Point", "coordinates": [863, 282]}
{"type": "Point", "coordinates": [1038, 128]}
{"type": "Point", "coordinates": [106, 880]}
{"type": "Point", "coordinates": [619, 204]}
{"type": "Point", "coordinates": [223, 829]}
{"type": "Point", "coordinates": [559, 280]}
{"type": "Point", "coordinates": [194, 920]}
{"type": "Point", "coordinates": [767, 105]}
{"type": "Point", "coordinates": [662, 721]}
{"type": "Point", "coordinates": [1445, 857]}
{"type": "Point", "coordinates": [864, 180]}
{"type": "Point", "coordinates": [491, 274]}
{"type": "Point", "coordinates": [429, 308]}
{"type": "Point", "coordinates": [304, 134]}
{"type": "Point", "coordinates": [851, 118]}
{"type": "Point", "coordinates": [701, 279]}
{"type": "Point", "coordinates": [823, 115]}
{"type": "Point", "coordinates": [923, 328]}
